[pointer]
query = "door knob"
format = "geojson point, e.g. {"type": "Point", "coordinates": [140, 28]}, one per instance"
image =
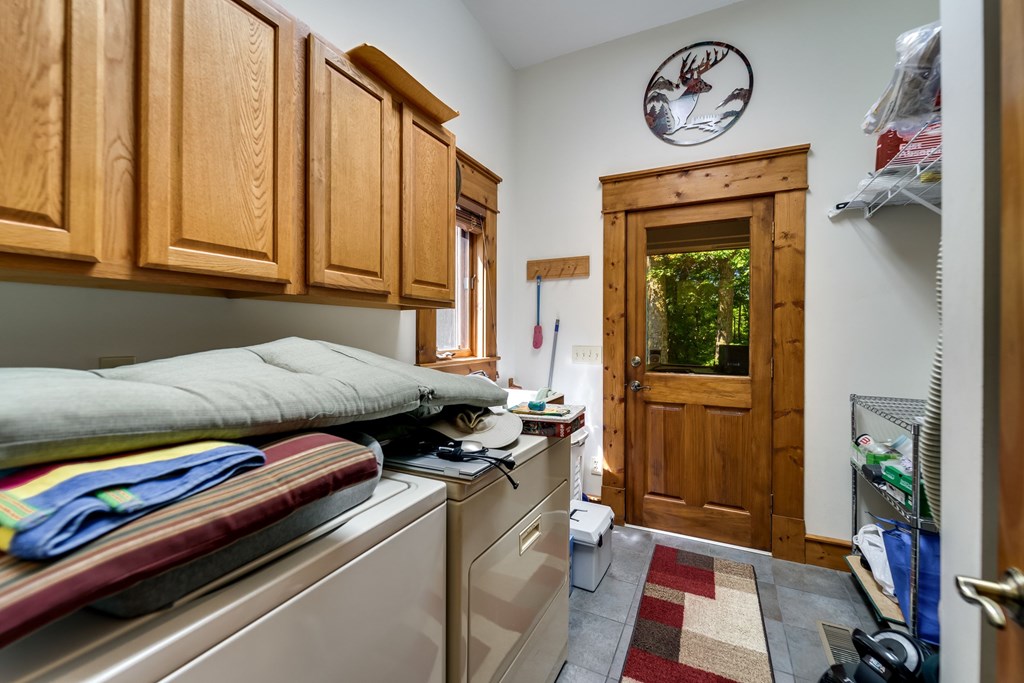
{"type": "Point", "coordinates": [636, 386]}
{"type": "Point", "coordinates": [635, 361]}
{"type": "Point", "coordinates": [1007, 594]}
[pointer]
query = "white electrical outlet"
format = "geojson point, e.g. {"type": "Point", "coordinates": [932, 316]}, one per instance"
{"type": "Point", "coordinates": [595, 464]}
{"type": "Point", "coordinates": [586, 354]}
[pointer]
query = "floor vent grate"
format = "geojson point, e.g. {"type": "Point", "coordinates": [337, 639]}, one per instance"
{"type": "Point", "coordinates": [838, 643]}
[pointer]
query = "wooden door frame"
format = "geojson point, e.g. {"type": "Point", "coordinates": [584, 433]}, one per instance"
{"type": "Point", "coordinates": [1010, 641]}
{"type": "Point", "coordinates": [782, 175]}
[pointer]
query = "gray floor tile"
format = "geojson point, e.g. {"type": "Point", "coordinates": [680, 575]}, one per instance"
{"type": "Point", "coordinates": [781, 677]}
{"type": "Point", "coordinates": [571, 673]}
{"type": "Point", "coordinates": [805, 610]}
{"type": "Point", "coordinates": [635, 606]}
{"type": "Point", "coordinates": [852, 588]}
{"type": "Point", "coordinates": [769, 601]}
{"type": "Point", "coordinates": [629, 565]}
{"type": "Point", "coordinates": [778, 646]}
{"type": "Point", "coordinates": [592, 641]}
{"type": "Point", "coordinates": [867, 615]}
{"type": "Point", "coordinates": [860, 602]}
{"type": "Point", "coordinates": [628, 538]}
{"type": "Point", "coordinates": [812, 579]}
{"type": "Point", "coordinates": [806, 653]}
{"type": "Point", "coordinates": [620, 653]}
{"type": "Point", "coordinates": [798, 679]}
{"type": "Point", "coordinates": [611, 600]}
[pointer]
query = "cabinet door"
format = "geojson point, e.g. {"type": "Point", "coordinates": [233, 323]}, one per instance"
{"type": "Point", "coordinates": [51, 125]}
{"type": "Point", "coordinates": [216, 158]}
{"type": "Point", "coordinates": [428, 210]}
{"type": "Point", "coordinates": [353, 176]}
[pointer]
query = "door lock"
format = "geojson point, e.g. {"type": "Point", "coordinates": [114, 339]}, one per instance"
{"type": "Point", "coordinates": [1007, 594]}
{"type": "Point", "coordinates": [635, 361]}
{"type": "Point", "coordinates": [636, 386]}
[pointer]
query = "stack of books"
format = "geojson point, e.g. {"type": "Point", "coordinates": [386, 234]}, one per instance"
{"type": "Point", "coordinates": [553, 420]}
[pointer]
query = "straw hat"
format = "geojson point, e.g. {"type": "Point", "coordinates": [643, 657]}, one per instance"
{"type": "Point", "coordinates": [492, 429]}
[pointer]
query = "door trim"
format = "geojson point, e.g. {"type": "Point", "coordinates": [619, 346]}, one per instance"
{"type": "Point", "coordinates": [782, 175]}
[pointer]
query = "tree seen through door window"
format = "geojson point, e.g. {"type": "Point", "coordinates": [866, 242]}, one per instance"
{"type": "Point", "coordinates": [698, 311]}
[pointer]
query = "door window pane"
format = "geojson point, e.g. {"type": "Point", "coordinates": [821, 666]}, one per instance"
{"type": "Point", "coordinates": [698, 298]}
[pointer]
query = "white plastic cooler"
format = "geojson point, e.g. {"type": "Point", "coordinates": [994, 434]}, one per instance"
{"type": "Point", "coordinates": [590, 525]}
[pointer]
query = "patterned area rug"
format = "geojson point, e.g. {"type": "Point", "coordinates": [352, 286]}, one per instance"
{"type": "Point", "coordinates": [699, 622]}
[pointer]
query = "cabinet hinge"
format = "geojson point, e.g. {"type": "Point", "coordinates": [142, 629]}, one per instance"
{"type": "Point", "coordinates": [771, 366]}
{"type": "Point", "coordinates": [773, 232]}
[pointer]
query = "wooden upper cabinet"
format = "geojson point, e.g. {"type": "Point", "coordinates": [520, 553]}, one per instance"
{"type": "Point", "coordinates": [428, 209]}
{"type": "Point", "coordinates": [51, 127]}
{"type": "Point", "coordinates": [216, 117]}
{"type": "Point", "coordinates": [352, 152]}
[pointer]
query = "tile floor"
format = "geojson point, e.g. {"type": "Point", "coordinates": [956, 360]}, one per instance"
{"type": "Point", "coordinates": [794, 597]}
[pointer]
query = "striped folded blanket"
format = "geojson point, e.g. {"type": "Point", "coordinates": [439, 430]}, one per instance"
{"type": "Point", "coordinates": [300, 469]}
{"type": "Point", "coordinates": [49, 510]}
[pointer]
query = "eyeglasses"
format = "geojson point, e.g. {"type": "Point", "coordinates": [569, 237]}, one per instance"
{"type": "Point", "coordinates": [461, 452]}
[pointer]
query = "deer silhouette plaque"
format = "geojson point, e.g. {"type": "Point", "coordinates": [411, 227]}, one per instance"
{"type": "Point", "coordinates": [674, 107]}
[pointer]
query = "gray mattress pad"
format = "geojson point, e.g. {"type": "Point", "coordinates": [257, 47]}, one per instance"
{"type": "Point", "coordinates": [49, 414]}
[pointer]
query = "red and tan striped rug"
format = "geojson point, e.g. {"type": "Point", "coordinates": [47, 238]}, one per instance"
{"type": "Point", "coordinates": [699, 622]}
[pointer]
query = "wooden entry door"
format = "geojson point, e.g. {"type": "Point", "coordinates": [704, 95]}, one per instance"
{"type": "Point", "coordinates": [699, 375]}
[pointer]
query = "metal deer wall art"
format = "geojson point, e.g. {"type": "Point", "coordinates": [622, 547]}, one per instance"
{"type": "Point", "coordinates": [673, 106]}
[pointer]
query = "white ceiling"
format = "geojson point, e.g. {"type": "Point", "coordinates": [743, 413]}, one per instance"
{"type": "Point", "coordinates": [528, 32]}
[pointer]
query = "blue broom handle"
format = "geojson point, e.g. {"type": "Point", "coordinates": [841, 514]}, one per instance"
{"type": "Point", "coordinates": [554, 345]}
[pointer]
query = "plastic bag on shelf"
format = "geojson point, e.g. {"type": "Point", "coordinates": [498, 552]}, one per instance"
{"type": "Point", "coordinates": [908, 102]}
{"type": "Point", "coordinates": [872, 546]}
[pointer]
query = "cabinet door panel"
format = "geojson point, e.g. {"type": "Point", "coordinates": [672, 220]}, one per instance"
{"type": "Point", "coordinates": [428, 210]}
{"type": "Point", "coordinates": [51, 124]}
{"type": "Point", "coordinates": [353, 176]}
{"type": "Point", "coordinates": [216, 151]}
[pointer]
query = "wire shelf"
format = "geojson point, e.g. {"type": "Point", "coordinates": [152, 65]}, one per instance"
{"type": "Point", "coordinates": [908, 516]}
{"type": "Point", "coordinates": [905, 412]}
{"type": "Point", "coordinates": [911, 177]}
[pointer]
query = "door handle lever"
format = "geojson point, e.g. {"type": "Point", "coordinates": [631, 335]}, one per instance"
{"type": "Point", "coordinates": [636, 386]}
{"type": "Point", "coordinates": [993, 596]}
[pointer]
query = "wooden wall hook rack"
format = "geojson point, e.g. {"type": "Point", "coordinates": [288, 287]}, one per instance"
{"type": "Point", "coordinates": [558, 268]}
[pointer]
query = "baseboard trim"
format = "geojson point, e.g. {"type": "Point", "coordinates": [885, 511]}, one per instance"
{"type": "Point", "coordinates": [822, 551]}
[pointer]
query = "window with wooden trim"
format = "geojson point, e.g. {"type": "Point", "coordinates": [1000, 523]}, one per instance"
{"type": "Point", "coordinates": [463, 339]}
{"type": "Point", "coordinates": [457, 335]}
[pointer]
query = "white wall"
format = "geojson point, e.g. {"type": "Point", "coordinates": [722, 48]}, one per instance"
{"type": "Point", "coordinates": [871, 320]}
{"type": "Point", "coordinates": [71, 327]}
{"type": "Point", "coordinates": [970, 224]}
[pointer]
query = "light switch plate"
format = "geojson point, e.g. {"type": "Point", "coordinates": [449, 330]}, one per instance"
{"type": "Point", "coordinates": [586, 354]}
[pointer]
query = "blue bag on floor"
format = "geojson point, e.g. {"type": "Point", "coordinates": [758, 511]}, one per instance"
{"type": "Point", "coordinates": [897, 549]}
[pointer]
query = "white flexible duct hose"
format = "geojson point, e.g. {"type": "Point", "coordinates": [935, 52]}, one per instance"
{"type": "Point", "coordinates": [930, 447]}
